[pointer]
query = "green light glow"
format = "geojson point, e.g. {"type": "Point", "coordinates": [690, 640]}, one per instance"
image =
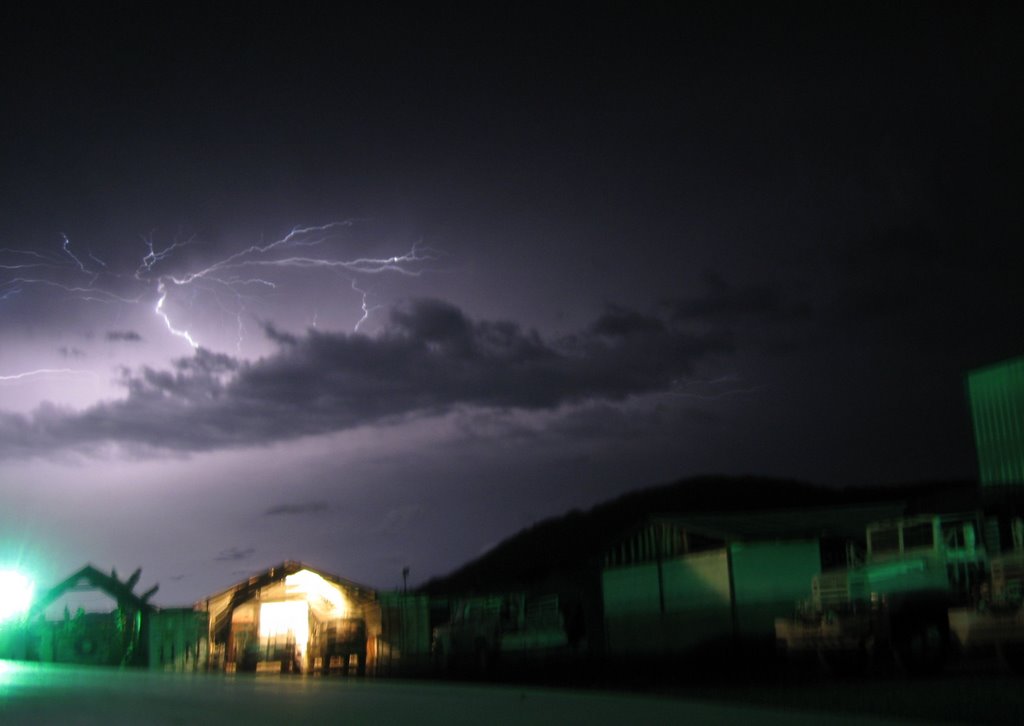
{"type": "Point", "coordinates": [15, 594]}
{"type": "Point", "coordinates": [997, 409]}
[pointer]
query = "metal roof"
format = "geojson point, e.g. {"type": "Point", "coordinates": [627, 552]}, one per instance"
{"type": "Point", "coordinates": [290, 567]}
{"type": "Point", "coordinates": [247, 589]}
{"type": "Point", "coordinates": [810, 522]}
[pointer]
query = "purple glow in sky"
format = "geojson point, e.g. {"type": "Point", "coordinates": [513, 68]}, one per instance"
{"type": "Point", "coordinates": [379, 291]}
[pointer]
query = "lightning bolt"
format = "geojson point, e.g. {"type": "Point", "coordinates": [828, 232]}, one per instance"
{"type": "Point", "coordinates": [152, 257]}
{"type": "Point", "coordinates": [30, 253]}
{"type": "Point", "coordinates": [229, 274]}
{"type": "Point", "coordinates": [89, 293]}
{"type": "Point", "coordinates": [47, 261]}
{"type": "Point", "coordinates": [69, 253]}
{"type": "Point", "coordinates": [25, 266]}
{"type": "Point", "coordinates": [161, 288]}
{"type": "Point", "coordinates": [39, 372]}
{"type": "Point", "coordinates": [412, 263]}
{"type": "Point", "coordinates": [366, 310]}
{"type": "Point", "coordinates": [298, 238]}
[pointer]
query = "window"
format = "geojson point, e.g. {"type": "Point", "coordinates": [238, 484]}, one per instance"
{"type": "Point", "coordinates": [885, 540]}
{"type": "Point", "coordinates": [958, 535]}
{"type": "Point", "coordinates": [918, 536]}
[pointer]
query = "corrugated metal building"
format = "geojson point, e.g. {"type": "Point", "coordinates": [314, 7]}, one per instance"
{"type": "Point", "coordinates": [675, 583]}
{"type": "Point", "coordinates": [403, 647]}
{"type": "Point", "coordinates": [178, 640]}
{"type": "Point", "coordinates": [996, 396]}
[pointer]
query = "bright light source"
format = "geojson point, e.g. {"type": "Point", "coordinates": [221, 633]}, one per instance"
{"type": "Point", "coordinates": [324, 597]}
{"type": "Point", "coordinates": [289, 619]}
{"type": "Point", "coordinates": [15, 594]}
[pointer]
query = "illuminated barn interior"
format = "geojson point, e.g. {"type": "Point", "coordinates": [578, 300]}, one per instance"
{"type": "Point", "coordinates": [293, 618]}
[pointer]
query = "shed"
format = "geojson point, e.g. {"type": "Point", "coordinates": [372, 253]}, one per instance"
{"type": "Point", "coordinates": [293, 618]}
{"type": "Point", "coordinates": [676, 582]}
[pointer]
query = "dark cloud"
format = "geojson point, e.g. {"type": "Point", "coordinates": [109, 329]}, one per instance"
{"type": "Point", "coordinates": [928, 287]}
{"type": "Point", "coordinates": [278, 336]}
{"type": "Point", "coordinates": [618, 322]}
{"type": "Point", "coordinates": [234, 554]}
{"type": "Point", "coordinates": [723, 300]}
{"type": "Point", "coordinates": [399, 518]}
{"type": "Point", "coordinates": [124, 336]}
{"type": "Point", "coordinates": [68, 351]}
{"type": "Point", "coordinates": [430, 359]}
{"type": "Point", "coordinates": [298, 508]}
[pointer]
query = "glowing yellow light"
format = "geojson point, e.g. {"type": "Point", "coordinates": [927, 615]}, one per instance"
{"type": "Point", "coordinates": [322, 595]}
{"type": "Point", "coordinates": [15, 594]}
{"type": "Point", "coordinates": [289, 619]}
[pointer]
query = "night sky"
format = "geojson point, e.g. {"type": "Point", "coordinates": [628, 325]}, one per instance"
{"type": "Point", "coordinates": [378, 290]}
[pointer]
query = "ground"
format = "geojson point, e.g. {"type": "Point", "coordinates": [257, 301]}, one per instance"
{"type": "Point", "coordinates": [41, 694]}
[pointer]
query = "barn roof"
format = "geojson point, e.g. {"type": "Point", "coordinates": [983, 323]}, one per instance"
{"type": "Point", "coordinates": [805, 523]}
{"type": "Point", "coordinates": [290, 567]}
{"type": "Point", "coordinates": [241, 592]}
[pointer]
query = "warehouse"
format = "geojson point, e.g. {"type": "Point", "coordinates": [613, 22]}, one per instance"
{"type": "Point", "coordinates": [293, 618]}
{"type": "Point", "coordinates": [675, 584]}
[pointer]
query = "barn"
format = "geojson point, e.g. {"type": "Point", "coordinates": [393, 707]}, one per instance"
{"type": "Point", "coordinates": [293, 618]}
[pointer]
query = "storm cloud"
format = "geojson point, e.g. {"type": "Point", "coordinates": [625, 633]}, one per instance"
{"type": "Point", "coordinates": [724, 300]}
{"type": "Point", "coordinates": [429, 359]}
{"type": "Point", "coordinates": [297, 508]}
{"type": "Point", "coordinates": [235, 554]}
{"type": "Point", "coordinates": [123, 336]}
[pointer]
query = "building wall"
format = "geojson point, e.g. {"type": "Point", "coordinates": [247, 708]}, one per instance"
{"type": "Point", "coordinates": [404, 642]}
{"type": "Point", "coordinates": [685, 605]}
{"type": "Point", "coordinates": [696, 600]}
{"type": "Point", "coordinates": [178, 640]}
{"type": "Point", "coordinates": [768, 579]}
{"type": "Point", "coordinates": [997, 410]}
{"type": "Point", "coordinates": [88, 639]}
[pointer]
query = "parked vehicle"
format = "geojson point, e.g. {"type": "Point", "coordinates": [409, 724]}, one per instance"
{"type": "Point", "coordinates": [483, 630]}
{"type": "Point", "coordinates": [926, 588]}
{"type": "Point", "coordinates": [344, 641]}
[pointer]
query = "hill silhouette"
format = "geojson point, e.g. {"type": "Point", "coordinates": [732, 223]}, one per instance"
{"type": "Point", "coordinates": [565, 552]}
